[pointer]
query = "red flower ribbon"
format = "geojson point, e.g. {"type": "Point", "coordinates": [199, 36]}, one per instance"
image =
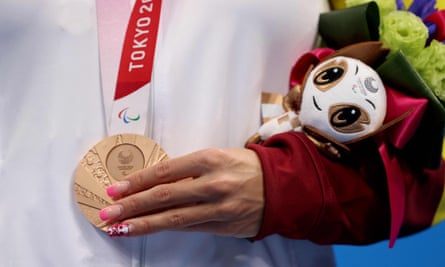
{"type": "Point", "coordinates": [438, 19]}
{"type": "Point", "coordinates": [397, 136]}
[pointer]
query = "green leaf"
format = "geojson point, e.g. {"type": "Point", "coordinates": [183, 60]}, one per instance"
{"type": "Point", "coordinates": [343, 27]}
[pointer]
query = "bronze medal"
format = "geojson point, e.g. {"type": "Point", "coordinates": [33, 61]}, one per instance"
{"type": "Point", "coordinates": [106, 163]}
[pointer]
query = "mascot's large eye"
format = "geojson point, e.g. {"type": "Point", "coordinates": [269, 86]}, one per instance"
{"type": "Point", "coordinates": [328, 76]}
{"type": "Point", "coordinates": [346, 118]}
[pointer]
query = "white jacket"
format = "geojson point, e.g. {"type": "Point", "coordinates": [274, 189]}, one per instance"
{"type": "Point", "coordinates": [213, 59]}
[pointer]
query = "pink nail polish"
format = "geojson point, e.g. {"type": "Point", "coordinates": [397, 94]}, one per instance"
{"type": "Point", "coordinates": [118, 189]}
{"type": "Point", "coordinates": [120, 229]}
{"type": "Point", "coordinates": [110, 212]}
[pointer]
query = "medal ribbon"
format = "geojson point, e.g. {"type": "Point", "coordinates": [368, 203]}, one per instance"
{"type": "Point", "coordinates": [126, 61]}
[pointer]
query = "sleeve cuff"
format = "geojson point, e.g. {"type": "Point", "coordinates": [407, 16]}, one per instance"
{"type": "Point", "coordinates": [294, 186]}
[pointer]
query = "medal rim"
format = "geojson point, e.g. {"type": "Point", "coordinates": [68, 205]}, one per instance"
{"type": "Point", "coordinates": [86, 180]}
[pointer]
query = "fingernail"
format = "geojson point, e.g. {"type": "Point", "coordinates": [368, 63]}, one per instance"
{"type": "Point", "coordinates": [118, 188]}
{"type": "Point", "coordinates": [120, 229]}
{"type": "Point", "coordinates": [110, 212]}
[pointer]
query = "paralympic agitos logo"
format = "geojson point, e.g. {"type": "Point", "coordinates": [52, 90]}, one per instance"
{"type": "Point", "coordinates": [127, 117]}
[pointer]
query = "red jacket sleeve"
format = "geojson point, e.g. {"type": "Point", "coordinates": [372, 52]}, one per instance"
{"type": "Point", "coordinates": [309, 196]}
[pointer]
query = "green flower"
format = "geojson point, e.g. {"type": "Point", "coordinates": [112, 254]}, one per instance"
{"type": "Point", "coordinates": [402, 30]}
{"type": "Point", "coordinates": [385, 6]}
{"type": "Point", "coordinates": [430, 64]}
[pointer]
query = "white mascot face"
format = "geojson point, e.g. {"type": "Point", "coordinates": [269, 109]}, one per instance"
{"type": "Point", "coordinates": [344, 99]}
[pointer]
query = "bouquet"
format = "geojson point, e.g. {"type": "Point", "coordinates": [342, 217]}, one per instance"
{"type": "Point", "coordinates": [412, 70]}
{"type": "Point", "coordinates": [414, 33]}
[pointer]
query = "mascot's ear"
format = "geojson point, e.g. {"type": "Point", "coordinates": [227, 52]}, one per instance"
{"type": "Point", "coordinates": [292, 101]}
{"type": "Point", "coordinates": [370, 53]}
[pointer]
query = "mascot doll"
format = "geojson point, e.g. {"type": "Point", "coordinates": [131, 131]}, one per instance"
{"type": "Point", "coordinates": [339, 101]}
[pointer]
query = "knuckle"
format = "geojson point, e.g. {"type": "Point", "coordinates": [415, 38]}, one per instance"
{"type": "Point", "coordinates": [213, 157]}
{"type": "Point", "coordinates": [162, 193]}
{"type": "Point", "coordinates": [176, 220]}
{"type": "Point", "coordinates": [162, 169]}
{"type": "Point", "coordinates": [223, 186]}
{"type": "Point", "coordinates": [138, 179]}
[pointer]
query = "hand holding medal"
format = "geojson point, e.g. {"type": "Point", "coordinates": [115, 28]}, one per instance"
{"type": "Point", "coordinates": [224, 197]}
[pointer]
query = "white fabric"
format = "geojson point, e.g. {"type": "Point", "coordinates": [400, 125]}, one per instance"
{"type": "Point", "coordinates": [213, 59]}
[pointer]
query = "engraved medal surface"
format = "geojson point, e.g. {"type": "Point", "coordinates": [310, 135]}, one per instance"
{"type": "Point", "coordinates": [106, 163]}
